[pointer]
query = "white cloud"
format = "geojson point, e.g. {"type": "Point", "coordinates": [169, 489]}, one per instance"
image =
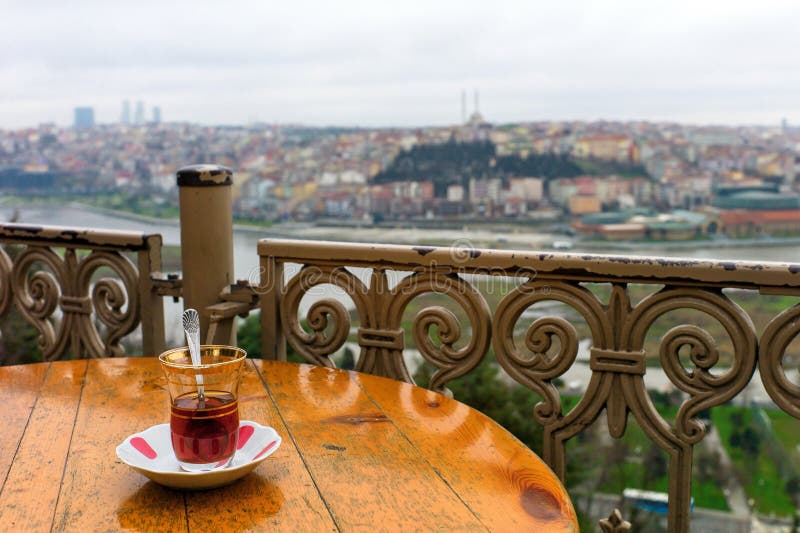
{"type": "Point", "coordinates": [404, 63]}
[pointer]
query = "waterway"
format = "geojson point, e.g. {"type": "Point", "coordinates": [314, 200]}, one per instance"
{"type": "Point", "coordinates": [245, 238]}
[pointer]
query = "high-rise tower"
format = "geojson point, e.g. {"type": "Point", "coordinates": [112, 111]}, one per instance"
{"type": "Point", "coordinates": [84, 117]}
{"type": "Point", "coordinates": [138, 117]}
{"type": "Point", "coordinates": [125, 117]}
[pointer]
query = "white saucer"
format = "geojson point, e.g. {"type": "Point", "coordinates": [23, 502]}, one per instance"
{"type": "Point", "coordinates": [150, 453]}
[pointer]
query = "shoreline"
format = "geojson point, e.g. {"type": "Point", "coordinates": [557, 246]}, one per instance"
{"type": "Point", "coordinates": [689, 245]}
{"type": "Point", "coordinates": [486, 236]}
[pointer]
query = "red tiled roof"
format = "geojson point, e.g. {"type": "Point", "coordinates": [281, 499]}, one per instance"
{"type": "Point", "coordinates": [741, 216]}
{"type": "Point", "coordinates": [608, 137]}
{"type": "Point", "coordinates": [792, 215]}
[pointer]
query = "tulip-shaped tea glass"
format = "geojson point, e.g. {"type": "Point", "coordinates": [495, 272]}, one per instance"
{"type": "Point", "coordinates": [204, 421]}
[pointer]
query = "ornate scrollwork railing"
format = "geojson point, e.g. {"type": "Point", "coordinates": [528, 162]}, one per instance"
{"type": "Point", "coordinates": [549, 347]}
{"type": "Point", "coordinates": [79, 288]}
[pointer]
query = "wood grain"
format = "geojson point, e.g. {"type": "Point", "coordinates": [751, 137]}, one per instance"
{"type": "Point", "coordinates": [278, 496]}
{"type": "Point", "coordinates": [43, 452]}
{"type": "Point", "coordinates": [99, 492]}
{"type": "Point", "coordinates": [502, 481]}
{"type": "Point", "coordinates": [19, 388]}
{"type": "Point", "coordinates": [359, 453]}
{"type": "Point", "coordinates": [369, 475]}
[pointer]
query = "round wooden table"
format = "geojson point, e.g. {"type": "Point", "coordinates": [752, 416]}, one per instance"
{"type": "Point", "coordinates": [359, 452]}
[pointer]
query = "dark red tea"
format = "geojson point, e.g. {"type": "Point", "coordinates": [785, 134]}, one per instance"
{"type": "Point", "coordinates": [204, 434]}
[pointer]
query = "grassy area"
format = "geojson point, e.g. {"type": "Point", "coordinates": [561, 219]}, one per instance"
{"type": "Point", "coordinates": [786, 429]}
{"type": "Point", "coordinates": [136, 204]}
{"type": "Point", "coordinates": [14, 200]}
{"type": "Point", "coordinates": [707, 494]}
{"type": "Point", "coordinates": [640, 454]}
{"type": "Point", "coordinates": [760, 476]}
{"type": "Point", "coordinates": [638, 470]}
{"type": "Point", "coordinates": [140, 205]}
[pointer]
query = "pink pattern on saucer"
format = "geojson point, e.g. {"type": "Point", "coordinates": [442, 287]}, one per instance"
{"type": "Point", "coordinates": [267, 448]}
{"type": "Point", "coordinates": [245, 432]}
{"type": "Point", "coordinates": [143, 447]}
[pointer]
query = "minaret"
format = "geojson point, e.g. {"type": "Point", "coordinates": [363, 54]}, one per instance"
{"type": "Point", "coordinates": [463, 106]}
{"type": "Point", "coordinates": [476, 119]}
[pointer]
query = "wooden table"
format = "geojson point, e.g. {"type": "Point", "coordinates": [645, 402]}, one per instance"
{"type": "Point", "coordinates": [359, 453]}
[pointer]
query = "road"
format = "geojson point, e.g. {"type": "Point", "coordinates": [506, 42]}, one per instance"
{"type": "Point", "coordinates": [734, 493]}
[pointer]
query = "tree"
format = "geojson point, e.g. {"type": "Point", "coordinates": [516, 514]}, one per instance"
{"type": "Point", "coordinates": [249, 335]}
{"type": "Point", "coordinates": [707, 466]}
{"type": "Point", "coordinates": [793, 489]}
{"type": "Point", "coordinates": [249, 339]}
{"type": "Point", "coordinates": [655, 465]}
{"type": "Point", "coordinates": [454, 163]}
{"type": "Point", "coordinates": [18, 340]}
{"type": "Point", "coordinates": [18, 337]}
{"type": "Point", "coordinates": [750, 442]}
{"type": "Point", "coordinates": [348, 360]}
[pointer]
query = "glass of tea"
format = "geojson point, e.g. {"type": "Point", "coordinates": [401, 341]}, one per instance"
{"type": "Point", "coordinates": [204, 420]}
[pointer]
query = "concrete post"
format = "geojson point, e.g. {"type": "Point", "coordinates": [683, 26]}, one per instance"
{"type": "Point", "coordinates": [206, 242]}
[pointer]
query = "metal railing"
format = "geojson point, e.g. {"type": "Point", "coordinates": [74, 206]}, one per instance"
{"type": "Point", "coordinates": [79, 288]}
{"type": "Point", "coordinates": [549, 346]}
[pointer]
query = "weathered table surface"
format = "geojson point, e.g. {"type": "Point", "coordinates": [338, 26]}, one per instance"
{"type": "Point", "coordinates": [359, 453]}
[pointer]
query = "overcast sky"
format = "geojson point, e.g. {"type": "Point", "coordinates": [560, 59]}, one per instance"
{"type": "Point", "coordinates": [378, 63]}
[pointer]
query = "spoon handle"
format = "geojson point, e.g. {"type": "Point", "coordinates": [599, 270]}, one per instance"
{"type": "Point", "coordinates": [191, 327]}
{"type": "Point", "coordinates": [194, 351]}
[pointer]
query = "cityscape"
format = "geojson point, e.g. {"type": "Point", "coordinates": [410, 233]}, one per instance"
{"type": "Point", "coordinates": [597, 181]}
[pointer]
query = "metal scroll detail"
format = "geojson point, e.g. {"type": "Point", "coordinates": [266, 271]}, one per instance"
{"type": "Point", "coordinates": [704, 388]}
{"type": "Point", "coordinates": [539, 370]}
{"type": "Point", "coordinates": [115, 302]}
{"type": "Point", "coordinates": [36, 294]}
{"type": "Point", "coordinates": [327, 319]}
{"type": "Point", "coordinates": [450, 361]}
{"type": "Point", "coordinates": [71, 311]}
{"type": "Point", "coordinates": [617, 360]}
{"type": "Point", "coordinates": [776, 338]}
{"type": "Point", "coordinates": [380, 312]}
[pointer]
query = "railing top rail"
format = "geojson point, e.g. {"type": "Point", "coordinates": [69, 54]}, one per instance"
{"type": "Point", "coordinates": [78, 237]}
{"type": "Point", "coordinates": [768, 276]}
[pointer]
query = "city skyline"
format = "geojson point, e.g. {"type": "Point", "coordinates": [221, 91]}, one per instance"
{"type": "Point", "coordinates": [405, 65]}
